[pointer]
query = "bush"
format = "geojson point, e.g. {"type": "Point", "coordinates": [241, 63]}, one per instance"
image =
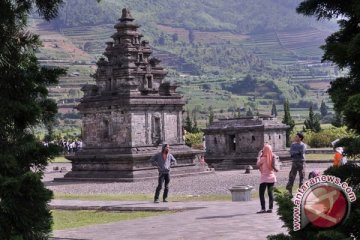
{"type": "Point", "coordinates": [351, 145]}
{"type": "Point", "coordinates": [279, 237]}
{"type": "Point", "coordinates": [193, 138]}
{"type": "Point", "coordinates": [325, 136]}
{"type": "Point", "coordinates": [350, 229]}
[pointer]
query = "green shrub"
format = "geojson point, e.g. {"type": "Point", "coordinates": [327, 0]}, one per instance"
{"type": "Point", "coordinates": [280, 236]}
{"type": "Point", "coordinates": [325, 136]}
{"type": "Point", "coordinates": [350, 229]}
{"type": "Point", "coordinates": [193, 138]}
{"type": "Point", "coordinates": [351, 145]}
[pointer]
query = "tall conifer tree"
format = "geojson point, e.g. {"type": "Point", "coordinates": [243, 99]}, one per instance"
{"type": "Point", "coordinates": [24, 104]}
{"type": "Point", "coordinates": [312, 123]}
{"type": "Point", "coordinates": [288, 121]}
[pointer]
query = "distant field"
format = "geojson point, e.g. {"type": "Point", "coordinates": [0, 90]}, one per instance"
{"type": "Point", "coordinates": [201, 36]}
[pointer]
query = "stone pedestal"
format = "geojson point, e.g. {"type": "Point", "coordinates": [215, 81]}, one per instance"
{"type": "Point", "coordinates": [115, 167]}
{"type": "Point", "coordinates": [241, 193]}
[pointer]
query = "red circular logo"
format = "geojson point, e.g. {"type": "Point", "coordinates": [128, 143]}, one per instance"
{"type": "Point", "coordinates": [325, 206]}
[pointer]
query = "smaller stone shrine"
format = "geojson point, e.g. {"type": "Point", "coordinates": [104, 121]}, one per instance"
{"type": "Point", "coordinates": [235, 143]}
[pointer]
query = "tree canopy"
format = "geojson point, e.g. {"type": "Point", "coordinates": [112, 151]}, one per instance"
{"type": "Point", "coordinates": [24, 213]}
{"type": "Point", "coordinates": [341, 48]}
{"type": "Point", "coordinates": [288, 121]}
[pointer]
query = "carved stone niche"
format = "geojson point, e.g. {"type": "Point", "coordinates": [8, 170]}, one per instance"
{"type": "Point", "coordinates": [145, 43]}
{"type": "Point", "coordinates": [154, 62]}
{"type": "Point", "coordinates": [167, 89]}
{"type": "Point", "coordinates": [156, 126]}
{"type": "Point", "coordinates": [147, 84]}
{"type": "Point", "coordinates": [90, 90]}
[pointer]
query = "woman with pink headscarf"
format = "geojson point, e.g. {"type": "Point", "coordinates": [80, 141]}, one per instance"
{"type": "Point", "coordinates": [266, 165]}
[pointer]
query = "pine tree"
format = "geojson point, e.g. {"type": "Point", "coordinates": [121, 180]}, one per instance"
{"type": "Point", "coordinates": [175, 37]}
{"type": "Point", "coordinates": [162, 39]}
{"type": "Point", "coordinates": [312, 123]}
{"type": "Point", "coordinates": [211, 115]}
{"type": "Point", "coordinates": [288, 121]}
{"type": "Point", "coordinates": [337, 121]}
{"type": "Point", "coordinates": [24, 103]}
{"type": "Point", "coordinates": [188, 123]}
{"type": "Point", "coordinates": [249, 113]}
{"type": "Point", "coordinates": [195, 126]}
{"type": "Point", "coordinates": [323, 109]}
{"type": "Point", "coordinates": [238, 113]}
{"type": "Point", "coordinates": [273, 110]}
{"type": "Point", "coordinates": [342, 49]}
{"type": "Point", "coordinates": [191, 36]}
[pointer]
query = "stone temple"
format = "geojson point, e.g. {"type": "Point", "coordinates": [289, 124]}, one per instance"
{"type": "Point", "coordinates": [235, 143]}
{"type": "Point", "coordinates": [129, 113]}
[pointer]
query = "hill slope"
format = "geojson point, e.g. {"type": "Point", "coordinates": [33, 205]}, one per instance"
{"type": "Point", "coordinates": [231, 42]}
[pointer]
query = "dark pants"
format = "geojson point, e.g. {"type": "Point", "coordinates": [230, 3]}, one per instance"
{"type": "Point", "coordinates": [163, 177]}
{"type": "Point", "coordinates": [297, 166]}
{"type": "Point", "coordinates": [262, 189]}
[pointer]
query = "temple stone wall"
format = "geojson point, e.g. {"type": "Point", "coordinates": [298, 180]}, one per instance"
{"type": "Point", "coordinates": [235, 143]}
{"type": "Point", "coordinates": [108, 128]}
{"type": "Point", "coordinates": [129, 113]}
{"type": "Point", "coordinates": [276, 139]}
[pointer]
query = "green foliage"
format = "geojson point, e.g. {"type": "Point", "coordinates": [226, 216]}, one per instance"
{"type": "Point", "coordinates": [349, 172]}
{"type": "Point", "coordinates": [288, 121]}
{"type": "Point", "coordinates": [312, 123]}
{"type": "Point", "coordinates": [24, 213]}
{"type": "Point", "coordinates": [161, 40]}
{"type": "Point", "coordinates": [352, 112]}
{"type": "Point", "coordinates": [188, 123]}
{"type": "Point", "coordinates": [352, 146]}
{"type": "Point", "coordinates": [350, 229]}
{"type": "Point", "coordinates": [323, 109]}
{"type": "Point", "coordinates": [325, 136]}
{"type": "Point", "coordinates": [338, 120]}
{"type": "Point", "coordinates": [211, 115]}
{"type": "Point", "coordinates": [92, 14]}
{"type": "Point", "coordinates": [341, 48]}
{"type": "Point", "coordinates": [191, 36]}
{"type": "Point", "coordinates": [193, 138]}
{"type": "Point", "coordinates": [273, 110]}
{"type": "Point", "coordinates": [280, 236]}
{"type": "Point", "coordinates": [175, 37]}
{"type": "Point", "coordinates": [195, 128]}
{"type": "Point", "coordinates": [255, 15]}
{"type": "Point", "coordinates": [249, 113]}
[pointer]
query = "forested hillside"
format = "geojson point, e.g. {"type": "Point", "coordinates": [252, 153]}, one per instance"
{"type": "Point", "coordinates": [229, 55]}
{"type": "Point", "coordinates": [239, 16]}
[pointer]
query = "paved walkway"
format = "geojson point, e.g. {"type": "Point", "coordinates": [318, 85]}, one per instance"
{"type": "Point", "coordinates": [206, 220]}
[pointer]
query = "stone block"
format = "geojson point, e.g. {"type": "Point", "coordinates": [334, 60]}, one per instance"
{"type": "Point", "coordinates": [241, 193]}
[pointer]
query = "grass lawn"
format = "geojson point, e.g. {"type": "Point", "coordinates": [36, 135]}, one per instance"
{"type": "Point", "coordinates": [60, 159]}
{"type": "Point", "coordinates": [139, 197]}
{"type": "Point", "coordinates": [324, 157]}
{"type": "Point", "coordinates": [75, 219]}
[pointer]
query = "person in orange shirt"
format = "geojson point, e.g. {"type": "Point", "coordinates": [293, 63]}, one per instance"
{"type": "Point", "coordinates": [338, 156]}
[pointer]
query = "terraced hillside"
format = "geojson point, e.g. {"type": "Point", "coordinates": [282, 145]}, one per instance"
{"type": "Point", "coordinates": [212, 64]}
{"type": "Point", "coordinates": [304, 43]}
